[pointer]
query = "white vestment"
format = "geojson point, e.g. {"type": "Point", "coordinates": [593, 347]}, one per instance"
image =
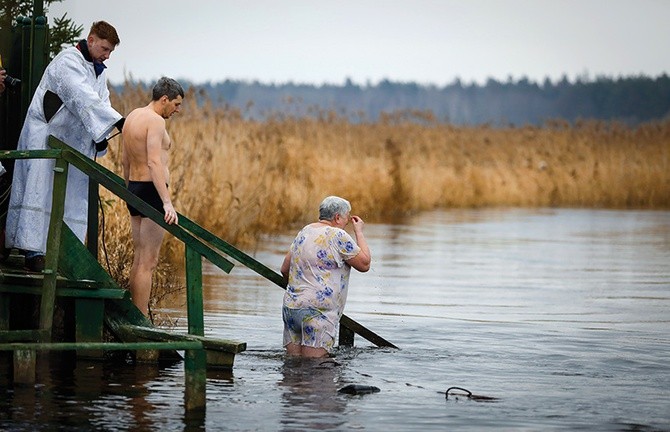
{"type": "Point", "coordinates": [86, 116]}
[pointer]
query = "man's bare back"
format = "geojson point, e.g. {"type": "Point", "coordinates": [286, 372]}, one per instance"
{"type": "Point", "coordinates": [142, 132]}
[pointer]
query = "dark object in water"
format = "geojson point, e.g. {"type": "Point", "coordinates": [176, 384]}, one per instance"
{"type": "Point", "coordinates": [358, 389]}
{"type": "Point", "coordinates": [469, 395]}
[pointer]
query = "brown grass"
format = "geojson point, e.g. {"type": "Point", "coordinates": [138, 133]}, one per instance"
{"type": "Point", "coordinates": [241, 178]}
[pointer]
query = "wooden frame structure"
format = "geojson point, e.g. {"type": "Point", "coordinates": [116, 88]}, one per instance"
{"type": "Point", "coordinates": [72, 271]}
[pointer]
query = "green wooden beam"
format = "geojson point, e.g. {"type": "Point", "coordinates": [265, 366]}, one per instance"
{"type": "Point", "coordinates": [102, 293]}
{"type": "Point", "coordinates": [26, 279]}
{"type": "Point", "coordinates": [163, 336]}
{"type": "Point", "coordinates": [230, 250]}
{"type": "Point", "coordinates": [108, 346]}
{"type": "Point", "coordinates": [4, 311]}
{"type": "Point", "coordinates": [194, 299]}
{"type": "Point", "coordinates": [89, 315]}
{"type": "Point", "coordinates": [365, 332]}
{"type": "Point", "coordinates": [195, 370]}
{"type": "Point", "coordinates": [30, 154]}
{"type": "Point", "coordinates": [50, 271]}
{"type": "Point", "coordinates": [20, 335]}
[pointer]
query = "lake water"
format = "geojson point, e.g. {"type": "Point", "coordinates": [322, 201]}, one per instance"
{"type": "Point", "coordinates": [561, 315]}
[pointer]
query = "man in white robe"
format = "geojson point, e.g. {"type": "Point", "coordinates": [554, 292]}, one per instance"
{"type": "Point", "coordinates": [72, 104]}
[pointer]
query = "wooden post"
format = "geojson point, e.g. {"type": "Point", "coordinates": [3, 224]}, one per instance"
{"type": "Point", "coordinates": [346, 336]}
{"type": "Point", "coordinates": [195, 363]}
{"type": "Point", "coordinates": [194, 301]}
{"type": "Point", "coordinates": [53, 246]}
{"type": "Point", "coordinates": [92, 230]}
{"type": "Point", "coordinates": [24, 366]}
{"type": "Point", "coordinates": [5, 300]}
{"type": "Point", "coordinates": [89, 313]}
{"type": "Point", "coordinates": [195, 372]}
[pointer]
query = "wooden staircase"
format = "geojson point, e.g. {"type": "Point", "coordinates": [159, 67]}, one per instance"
{"type": "Point", "coordinates": [71, 271]}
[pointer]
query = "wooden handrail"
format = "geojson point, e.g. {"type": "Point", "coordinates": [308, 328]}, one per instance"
{"type": "Point", "coordinates": [190, 233]}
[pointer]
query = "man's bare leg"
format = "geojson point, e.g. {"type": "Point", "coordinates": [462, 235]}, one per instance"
{"type": "Point", "coordinates": [147, 239]}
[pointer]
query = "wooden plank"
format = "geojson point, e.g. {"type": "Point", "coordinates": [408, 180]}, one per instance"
{"type": "Point", "coordinates": [37, 280]}
{"type": "Point", "coordinates": [103, 293]}
{"type": "Point", "coordinates": [346, 335]}
{"type": "Point", "coordinates": [76, 262]}
{"type": "Point", "coordinates": [31, 154]}
{"type": "Point", "coordinates": [194, 300]}
{"type": "Point", "coordinates": [20, 335]}
{"type": "Point", "coordinates": [365, 333]}
{"type": "Point", "coordinates": [48, 302]}
{"type": "Point", "coordinates": [123, 312]}
{"type": "Point", "coordinates": [108, 346]}
{"type": "Point", "coordinates": [162, 335]}
{"type": "Point", "coordinates": [230, 250]}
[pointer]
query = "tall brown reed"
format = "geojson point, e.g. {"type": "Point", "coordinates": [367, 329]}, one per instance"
{"type": "Point", "coordinates": [242, 178]}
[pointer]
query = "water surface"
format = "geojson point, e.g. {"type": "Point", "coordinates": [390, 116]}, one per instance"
{"type": "Point", "coordinates": [562, 315]}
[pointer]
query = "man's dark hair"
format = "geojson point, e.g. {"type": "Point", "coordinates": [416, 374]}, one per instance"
{"type": "Point", "coordinates": [167, 87]}
{"type": "Point", "coordinates": [106, 31]}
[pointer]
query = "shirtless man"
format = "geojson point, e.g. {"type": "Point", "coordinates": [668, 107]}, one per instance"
{"type": "Point", "coordinates": [145, 146]}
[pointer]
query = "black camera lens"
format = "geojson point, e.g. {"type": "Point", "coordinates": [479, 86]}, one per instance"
{"type": "Point", "coordinates": [11, 81]}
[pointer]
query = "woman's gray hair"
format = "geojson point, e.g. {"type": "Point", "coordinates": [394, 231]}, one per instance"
{"type": "Point", "coordinates": [332, 206]}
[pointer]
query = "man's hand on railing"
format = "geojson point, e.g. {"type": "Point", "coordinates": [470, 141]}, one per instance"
{"type": "Point", "coordinates": [170, 214]}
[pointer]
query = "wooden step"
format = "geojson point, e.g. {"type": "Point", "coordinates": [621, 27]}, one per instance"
{"type": "Point", "coordinates": [220, 352]}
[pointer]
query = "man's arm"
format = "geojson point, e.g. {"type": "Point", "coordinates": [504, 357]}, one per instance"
{"type": "Point", "coordinates": [155, 134]}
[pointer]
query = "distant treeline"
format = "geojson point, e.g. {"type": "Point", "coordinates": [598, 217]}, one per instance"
{"type": "Point", "coordinates": [631, 100]}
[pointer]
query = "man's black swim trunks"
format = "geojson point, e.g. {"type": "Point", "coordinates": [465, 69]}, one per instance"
{"type": "Point", "coordinates": [147, 191]}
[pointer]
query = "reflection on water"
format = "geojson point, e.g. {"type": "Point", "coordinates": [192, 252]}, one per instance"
{"type": "Point", "coordinates": [305, 384]}
{"type": "Point", "coordinates": [561, 314]}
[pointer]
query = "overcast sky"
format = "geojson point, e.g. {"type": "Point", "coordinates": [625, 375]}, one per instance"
{"type": "Point", "coordinates": [424, 41]}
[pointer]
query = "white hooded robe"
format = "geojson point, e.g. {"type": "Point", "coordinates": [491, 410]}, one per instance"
{"type": "Point", "coordinates": [86, 116]}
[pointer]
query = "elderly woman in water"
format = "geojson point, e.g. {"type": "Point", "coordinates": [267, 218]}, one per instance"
{"type": "Point", "coordinates": [317, 268]}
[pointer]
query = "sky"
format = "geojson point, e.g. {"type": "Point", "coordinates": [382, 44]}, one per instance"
{"type": "Point", "coordinates": [429, 42]}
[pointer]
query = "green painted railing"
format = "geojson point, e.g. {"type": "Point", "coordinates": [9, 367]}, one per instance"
{"type": "Point", "coordinates": [199, 242]}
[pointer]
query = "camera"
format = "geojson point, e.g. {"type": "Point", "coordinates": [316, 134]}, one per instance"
{"type": "Point", "coordinates": [11, 81]}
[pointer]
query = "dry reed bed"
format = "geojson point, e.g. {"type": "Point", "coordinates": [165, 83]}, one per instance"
{"type": "Point", "coordinates": [241, 178]}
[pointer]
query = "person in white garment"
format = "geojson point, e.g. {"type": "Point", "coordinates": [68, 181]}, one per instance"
{"type": "Point", "coordinates": [71, 103]}
{"type": "Point", "coordinates": [316, 270]}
